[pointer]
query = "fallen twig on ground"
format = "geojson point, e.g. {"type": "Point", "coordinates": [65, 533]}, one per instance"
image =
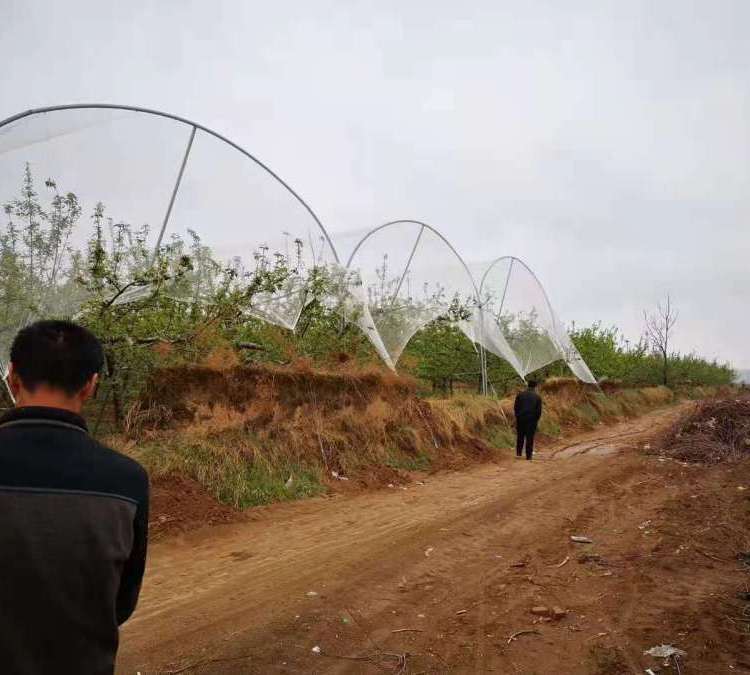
{"type": "Point", "coordinates": [376, 659]}
{"type": "Point", "coordinates": [206, 662]}
{"type": "Point", "coordinates": [710, 555]}
{"type": "Point", "coordinates": [408, 630]}
{"type": "Point", "coordinates": [517, 634]}
{"type": "Point", "coordinates": [567, 558]}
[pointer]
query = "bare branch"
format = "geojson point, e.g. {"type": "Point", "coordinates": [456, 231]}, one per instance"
{"type": "Point", "coordinates": [658, 331]}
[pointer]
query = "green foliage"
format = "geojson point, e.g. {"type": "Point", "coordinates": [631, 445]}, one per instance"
{"type": "Point", "coordinates": [234, 472]}
{"type": "Point", "coordinates": [501, 437]}
{"type": "Point", "coordinates": [441, 354]}
{"type": "Point", "coordinates": [612, 357]}
{"type": "Point", "coordinates": [33, 247]}
{"type": "Point", "coordinates": [398, 459]}
{"type": "Point", "coordinates": [549, 426]}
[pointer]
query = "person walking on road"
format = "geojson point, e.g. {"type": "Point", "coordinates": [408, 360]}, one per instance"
{"type": "Point", "coordinates": [528, 410]}
{"type": "Point", "coordinates": [73, 513]}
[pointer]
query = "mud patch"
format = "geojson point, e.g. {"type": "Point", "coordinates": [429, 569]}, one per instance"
{"type": "Point", "coordinates": [179, 504]}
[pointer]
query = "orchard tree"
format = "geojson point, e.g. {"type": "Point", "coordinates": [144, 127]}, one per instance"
{"type": "Point", "coordinates": [658, 331]}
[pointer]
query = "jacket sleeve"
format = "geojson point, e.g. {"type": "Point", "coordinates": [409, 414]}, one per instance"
{"type": "Point", "coordinates": [517, 405]}
{"type": "Point", "coordinates": [538, 410]}
{"type": "Point", "coordinates": [135, 565]}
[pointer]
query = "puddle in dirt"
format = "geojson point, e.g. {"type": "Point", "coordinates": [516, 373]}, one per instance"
{"type": "Point", "coordinates": [584, 449]}
{"type": "Point", "coordinates": [603, 450]}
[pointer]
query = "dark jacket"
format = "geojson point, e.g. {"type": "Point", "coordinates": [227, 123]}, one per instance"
{"type": "Point", "coordinates": [73, 523]}
{"type": "Point", "coordinates": [528, 407]}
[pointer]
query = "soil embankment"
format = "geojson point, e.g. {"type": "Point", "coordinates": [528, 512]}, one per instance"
{"type": "Point", "coordinates": [250, 436]}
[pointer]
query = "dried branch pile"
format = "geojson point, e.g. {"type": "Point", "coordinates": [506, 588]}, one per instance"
{"type": "Point", "coordinates": [715, 431]}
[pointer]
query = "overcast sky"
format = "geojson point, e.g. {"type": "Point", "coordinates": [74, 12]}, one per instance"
{"type": "Point", "coordinates": [606, 143]}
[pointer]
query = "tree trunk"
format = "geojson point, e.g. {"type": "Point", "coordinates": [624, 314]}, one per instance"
{"type": "Point", "coordinates": [117, 404]}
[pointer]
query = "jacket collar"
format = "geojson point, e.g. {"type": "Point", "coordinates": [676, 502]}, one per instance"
{"type": "Point", "coordinates": [30, 414]}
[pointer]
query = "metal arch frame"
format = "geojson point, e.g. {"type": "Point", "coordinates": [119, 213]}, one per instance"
{"type": "Point", "coordinates": [158, 113]}
{"type": "Point", "coordinates": [426, 226]}
{"type": "Point", "coordinates": [513, 260]}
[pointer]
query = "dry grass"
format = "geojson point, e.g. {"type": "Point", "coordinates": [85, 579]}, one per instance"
{"type": "Point", "coordinates": [253, 435]}
{"type": "Point", "coordinates": [714, 431]}
{"type": "Point", "coordinates": [243, 432]}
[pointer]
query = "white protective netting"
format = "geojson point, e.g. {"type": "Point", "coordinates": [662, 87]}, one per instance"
{"type": "Point", "coordinates": [517, 321]}
{"type": "Point", "coordinates": [108, 174]}
{"type": "Point", "coordinates": [80, 179]}
{"type": "Point", "coordinates": [407, 275]}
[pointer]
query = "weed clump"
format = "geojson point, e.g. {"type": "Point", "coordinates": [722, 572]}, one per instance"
{"type": "Point", "coordinates": [608, 661]}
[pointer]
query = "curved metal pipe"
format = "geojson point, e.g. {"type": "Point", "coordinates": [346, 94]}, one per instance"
{"type": "Point", "coordinates": [425, 226]}
{"type": "Point", "coordinates": [182, 120]}
{"type": "Point", "coordinates": [513, 260]}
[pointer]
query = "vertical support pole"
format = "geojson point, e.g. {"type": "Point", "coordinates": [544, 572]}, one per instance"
{"type": "Point", "coordinates": [483, 354]}
{"type": "Point", "coordinates": [482, 351]}
{"type": "Point", "coordinates": [174, 193]}
{"type": "Point", "coordinates": [483, 366]}
{"type": "Point", "coordinates": [505, 290]}
{"type": "Point", "coordinates": [7, 388]}
{"type": "Point", "coordinates": [406, 267]}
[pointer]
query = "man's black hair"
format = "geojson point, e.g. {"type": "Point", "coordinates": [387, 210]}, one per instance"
{"type": "Point", "coordinates": [59, 354]}
{"type": "Point", "coordinates": [531, 383]}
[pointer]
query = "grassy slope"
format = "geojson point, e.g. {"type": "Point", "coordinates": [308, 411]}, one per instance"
{"type": "Point", "coordinates": [253, 436]}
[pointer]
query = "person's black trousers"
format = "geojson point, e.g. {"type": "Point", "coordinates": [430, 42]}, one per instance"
{"type": "Point", "coordinates": [525, 437]}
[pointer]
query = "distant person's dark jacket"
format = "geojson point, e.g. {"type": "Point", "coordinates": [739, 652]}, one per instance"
{"type": "Point", "coordinates": [73, 523]}
{"type": "Point", "coordinates": [528, 407]}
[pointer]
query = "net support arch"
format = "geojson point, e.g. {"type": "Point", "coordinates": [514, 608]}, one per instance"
{"type": "Point", "coordinates": [560, 346]}
{"type": "Point", "coordinates": [421, 234]}
{"type": "Point", "coordinates": [194, 126]}
{"type": "Point", "coordinates": [41, 137]}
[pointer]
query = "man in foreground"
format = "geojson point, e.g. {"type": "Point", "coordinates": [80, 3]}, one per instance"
{"type": "Point", "coordinates": [73, 514]}
{"type": "Point", "coordinates": [528, 410]}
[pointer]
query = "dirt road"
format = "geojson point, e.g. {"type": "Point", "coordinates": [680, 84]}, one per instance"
{"type": "Point", "coordinates": [436, 577]}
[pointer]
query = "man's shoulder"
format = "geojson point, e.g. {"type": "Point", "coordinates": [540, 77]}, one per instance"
{"type": "Point", "coordinates": [119, 460]}
{"type": "Point", "coordinates": [125, 470]}
{"type": "Point", "coordinates": [45, 453]}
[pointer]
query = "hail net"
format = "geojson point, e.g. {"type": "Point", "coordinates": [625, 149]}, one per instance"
{"type": "Point", "coordinates": [517, 322]}
{"type": "Point", "coordinates": [405, 276]}
{"type": "Point", "coordinates": [73, 180]}
{"type": "Point", "coordinates": [94, 186]}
